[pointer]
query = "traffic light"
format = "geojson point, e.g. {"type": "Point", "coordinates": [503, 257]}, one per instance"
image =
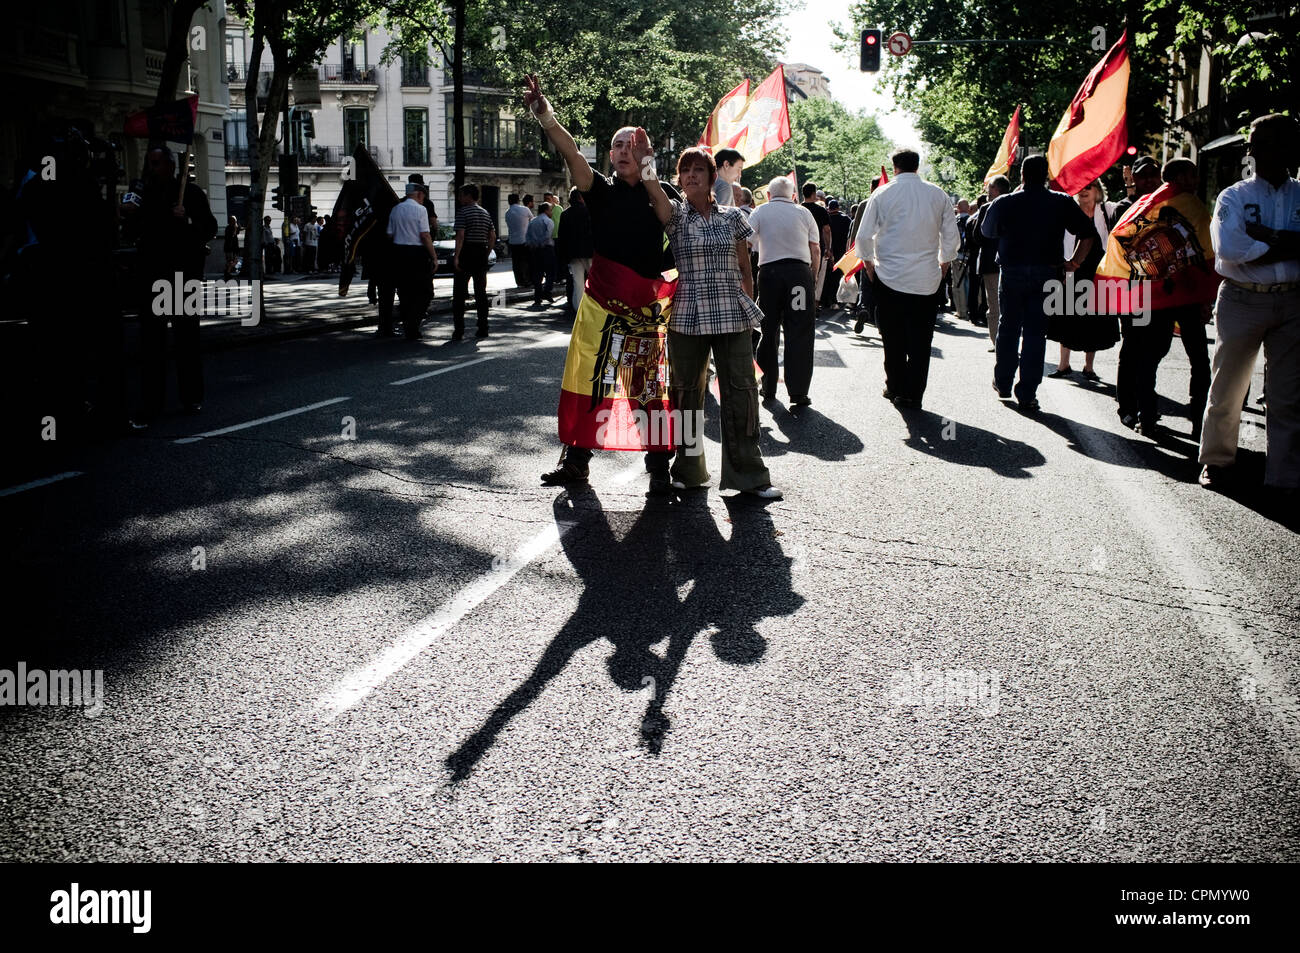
{"type": "Point", "coordinates": [277, 202]}
{"type": "Point", "coordinates": [870, 51]}
{"type": "Point", "coordinates": [1130, 152]}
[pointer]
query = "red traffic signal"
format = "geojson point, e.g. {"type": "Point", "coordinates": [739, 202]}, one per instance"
{"type": "Point", "coordinates": [1131, 151]}
{"type": "Point", "coordinates": [870, 51]}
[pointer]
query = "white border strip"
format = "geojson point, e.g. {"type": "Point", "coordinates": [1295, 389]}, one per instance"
{"type": "Point", "coordinates": [360, 683]}
{"type": "Point", "coordinates": [261, 420]}
{"type": "Point", "coordinates": [441, 370]}
{"type": "Point", "coordinates": [46, 481]}
{"type": "Point", "coordinates": [355, 686]}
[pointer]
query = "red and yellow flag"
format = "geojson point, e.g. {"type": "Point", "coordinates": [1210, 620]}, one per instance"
{"type": "Point", "coordinates": [755, 124]}
{"type": "Point", "coordinates": [1094, 130]}
{"type": "Point", "coordinates": [851, 264]}
{"type": "Point", "coordinates": [726, 121]}
{"type": "Point", "coordinates": [1163, 242]}
{"type": "Point", "coordinates": [1007, 151]}
{"type": "Point", "coordinates": [615, 390]}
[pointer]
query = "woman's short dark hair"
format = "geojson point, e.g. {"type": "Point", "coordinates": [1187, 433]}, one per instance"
{"type": "Point", "coordinates": [697, 156]}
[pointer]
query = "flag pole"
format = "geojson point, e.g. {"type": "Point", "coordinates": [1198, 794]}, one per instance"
{"type": "Point", "coordinates": [184, 175]}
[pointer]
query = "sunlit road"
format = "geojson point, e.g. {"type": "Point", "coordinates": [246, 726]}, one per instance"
{"type": "Point", "coordinates": [348, 623]}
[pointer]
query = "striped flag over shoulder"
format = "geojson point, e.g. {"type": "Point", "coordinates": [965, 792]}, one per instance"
{"type": "Point", "coordinates": [1094, 130]}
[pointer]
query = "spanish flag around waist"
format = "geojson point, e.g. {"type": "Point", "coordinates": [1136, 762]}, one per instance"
{"type": "Point", "coordinates": [615, 390]}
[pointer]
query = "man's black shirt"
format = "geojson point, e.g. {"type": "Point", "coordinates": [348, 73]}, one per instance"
{"type": "Point", "coordinates": [624, 227]}
{"type": "Point", "coordinates": [823, 218]}
{"type": "Point", "coordinates": [1030, 226]}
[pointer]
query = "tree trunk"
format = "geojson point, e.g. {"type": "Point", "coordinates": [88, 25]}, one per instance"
{"type": "Point", "coordinates": [256, 167]}
{"type": "Point", "coordinates": [458, 93]}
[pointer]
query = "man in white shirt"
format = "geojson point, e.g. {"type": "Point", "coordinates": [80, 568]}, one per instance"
{"type": "Point", "coordinates": [789, 252]}
{"type": "Point", "coordinates": [907, 240]}
{"type": "Point", "coordinates": [1256, 237]}
{"type": "Point", "coordinates": [414, 257]}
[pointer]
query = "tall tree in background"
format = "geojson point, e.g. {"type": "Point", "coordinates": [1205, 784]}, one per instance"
{"type": "Point", "coordinates": [662, 64]}
{"type": "Point", "coordinates": [297, 33]}
{"type": "Point", "coordinates": [962, 95]}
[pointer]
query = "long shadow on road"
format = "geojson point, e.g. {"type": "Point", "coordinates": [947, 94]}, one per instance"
{"type": "Point", "coordinates": [633, 567]}
{"type": "Point", "coordinates": [969, 446]}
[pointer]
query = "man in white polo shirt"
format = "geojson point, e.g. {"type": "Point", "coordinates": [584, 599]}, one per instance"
{"type": "Point", "coordinates": [907, 240]}
{"type": "Point", "coordinates": [789, 253]}
{"type": "Point", "coordinates": [414, 257]}
{"type": "Point", "coordinates": [1256, 237]}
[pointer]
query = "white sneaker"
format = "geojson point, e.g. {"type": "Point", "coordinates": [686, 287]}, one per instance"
{"type": "Point", "coordinates": [679, 485]}
{"type": "Point", "coordinates": [768, 492]}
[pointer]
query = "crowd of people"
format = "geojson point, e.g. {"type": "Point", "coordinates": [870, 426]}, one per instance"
{"type": "Point", "coordinates": [751, 278]}
{"type": "Point", "coordinates": [1013, 262]}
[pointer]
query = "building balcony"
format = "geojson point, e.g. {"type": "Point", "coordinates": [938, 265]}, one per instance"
{"type": "Point", "coordinates": [416, 76]}
{"type": "Point", "coordinates": [496, 157]}
{"type": "Point", "coordinates": [366, 77]}
{"type": "Point", "coordinates": [309, 156]}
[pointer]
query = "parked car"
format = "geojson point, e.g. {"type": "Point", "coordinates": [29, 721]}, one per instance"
{"type": "Point", "coordinates": [445, 245]}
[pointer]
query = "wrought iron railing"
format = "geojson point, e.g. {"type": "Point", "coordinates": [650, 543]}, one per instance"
{"type": "Point", "coordinates": [336, 75]}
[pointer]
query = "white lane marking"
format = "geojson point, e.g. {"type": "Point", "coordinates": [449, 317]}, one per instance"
{"type": "Point", "coordinates": [356, 685]}
{"type": "Point", "coordinates": [261, 420]}
{"type": "Point", "coordinates": [45, 481]}
{"type": "Point", "coordinates": [1185, 552]}
{"type": "Point", "coordinates": [441, 370]}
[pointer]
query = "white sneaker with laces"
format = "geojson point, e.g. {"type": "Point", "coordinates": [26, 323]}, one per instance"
{"type": "Point", "coordinates": [768, 492]}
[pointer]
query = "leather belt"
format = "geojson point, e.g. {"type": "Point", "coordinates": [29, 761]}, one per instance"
{"type": "Point", "coordinates": [1264, 289]}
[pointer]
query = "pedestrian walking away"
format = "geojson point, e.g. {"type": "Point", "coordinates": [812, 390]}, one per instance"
{"type": "Point", "coordinates": [475, 238]}
{"type": "Point", "coordinates": [541, 253]}
{"type": "Point", "coordinates": [907, 240]}
{"type": "Point", "coordinates": [1030, 226]}
{"type": "Point", "coordinates": [413, 257]}
{"type": "Point", "coordinates": [575, 248]}
{"type": "Point", "coordinates": [789, 253]}
{"type": "Point", "coordinates": [1162, 246]}
{"type": "Point", "coordinates": [518, 216]}
{"type": "Point", "coordinates": [231, 248]}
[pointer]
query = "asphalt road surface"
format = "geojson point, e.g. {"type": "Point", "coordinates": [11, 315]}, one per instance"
{"type": "Point", "coordinates": [348, 623]}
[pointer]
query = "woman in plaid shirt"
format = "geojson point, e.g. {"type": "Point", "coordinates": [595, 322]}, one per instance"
{"type": "Point", "coordinates": [713, 311]}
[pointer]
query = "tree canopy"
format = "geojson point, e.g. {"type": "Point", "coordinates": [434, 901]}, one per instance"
{"type": "Point", "coordinates": [964, 95]}
{"type": "Point", "coordinates": [662, 64]}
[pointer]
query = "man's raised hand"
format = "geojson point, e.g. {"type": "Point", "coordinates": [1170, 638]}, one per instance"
{"type": "Point", "coordinates": [644, 154]}
{"type": "Point", "coordinates": [533, 97]}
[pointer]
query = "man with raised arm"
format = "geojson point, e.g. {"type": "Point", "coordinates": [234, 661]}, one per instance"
{"type": "Point", "coordinates": [615, 390]}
